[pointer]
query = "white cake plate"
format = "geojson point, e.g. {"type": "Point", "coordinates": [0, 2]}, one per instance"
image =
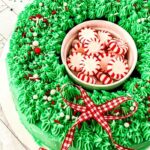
{"type": "Point", "coordinates": [9, 107]}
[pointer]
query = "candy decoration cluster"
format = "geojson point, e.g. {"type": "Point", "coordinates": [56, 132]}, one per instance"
{"type": "Point", "coordinates": [98, 57]}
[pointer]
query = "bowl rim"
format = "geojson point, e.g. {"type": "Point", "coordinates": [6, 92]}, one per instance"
{"type": "Point", "coordinates": [100, 85]}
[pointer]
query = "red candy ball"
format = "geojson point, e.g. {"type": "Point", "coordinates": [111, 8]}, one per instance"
{"type": "Point", "coordinates": [54, 12]}
{"type": "Point", "coordinates": [37, 50]}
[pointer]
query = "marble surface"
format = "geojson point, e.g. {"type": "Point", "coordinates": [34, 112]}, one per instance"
{"type": "Point", "coordinates": [9, 10]}
{"type": "Point", "coordinates": [8, 140]}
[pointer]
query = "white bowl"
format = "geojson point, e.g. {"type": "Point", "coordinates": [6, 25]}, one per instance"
{"type": "Point", "coordinates": [116, 31]}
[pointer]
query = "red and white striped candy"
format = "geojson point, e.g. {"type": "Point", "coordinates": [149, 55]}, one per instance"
{"type": "Point", "coordinates": [116, 55]}
{"type": "Point", "coordinates": [87, 34]}
{"type": "Point", "coordinates": [74, 61]}
{"type": "Point", "coordinates": [78, 47]}
{"type": "Point", "coordinates": [105, 79]}
{"type": "Point", "coordinates": [94, 46]}
{"type": "Point", "coordinates": [75, 41]}
{"type": "Point", "coordinates": [104, 37]}
{"type": "Point", "coordinates": [98, 75]}
{"type": "Point", "coordinates": [118, 46]}
{"type": "Point", "coordinates": [86, 78]}
{"type": "Point", "coordinates": [104, 59]}
{"type": "Point", "coordinates": [117, 68]}
{"type": "Point", "coordinates": [90, 65]}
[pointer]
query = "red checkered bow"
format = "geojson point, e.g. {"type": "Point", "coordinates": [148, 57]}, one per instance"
{"type": "Point", "coordinates": [98, 113]}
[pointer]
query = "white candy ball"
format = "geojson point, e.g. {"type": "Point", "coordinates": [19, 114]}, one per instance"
{"type": "Point", "coordinates": [65, 4]}
{"type": "Point", "coordinates": [35, 97]}
{"type": "Point", "coordinates": [40, 4]}
{"type": "Point", "coordinates": [142, 19]}
{"type": "Point", "coordinates": [139, 20]}
{"type": "Point", "coordinates": [53, 92]}
{"type": "Point", "coordinates": [126, 124]}
{"type": "Point", "coordinates": [34, 34]}
{"type": "Point", "coordinates": [132, 108]}
{"type": "Point", "coordinates": [62, 114]}
{"type": "Point", "coordinates": [67, 117]}
{"type": "Point", "coordinates": [45, 97]}
{"type": "Point", "coordinates": [49, 98]}
{"type": "Point", "coordinates": [34, 62]}
{"type": "Point", "coordinates": [35, 43]}
{"type": "Point", "coordinates": [35, 76]}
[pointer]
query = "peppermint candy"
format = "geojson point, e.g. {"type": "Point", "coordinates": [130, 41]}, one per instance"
{"type": "Point", "coordinates": [105, 79]}
{"type": "Point", "coordinates": [94, 46]}
{"type": "Point", "coordinates": [86, 78]}
{"type": "Point", "coordinates": [116, 55]}
{"type": "Point", "coordinates": [87, 34]}
{"type": "Point", "coordinates": [78, 47]}
{"type": "Point", "coordinates": [90, 65]}
{"type": "Point", "coordinates": [104, 37]}
{"type": "Point", "coordinates": [118, 46]}
{"type": "Point", "coordinates": [75, 41]}
{"type": "Point", "coordinates": [73, 61]}
{"type": "Point", "coordinates": [98, 75]}
{"type": "Point", "coordinates": [117, 68]}
{"type": "Point", "coordinates": [104, 59]}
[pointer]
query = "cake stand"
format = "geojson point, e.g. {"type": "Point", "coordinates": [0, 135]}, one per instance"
{"type": "Point", "coordinates": [9, 108]}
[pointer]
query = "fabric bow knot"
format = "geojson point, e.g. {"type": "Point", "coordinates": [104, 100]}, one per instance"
{"type": "Point", "coordinates": [97, 112]}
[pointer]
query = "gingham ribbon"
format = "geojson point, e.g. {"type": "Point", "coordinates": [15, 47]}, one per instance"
{"type": "Point", "coordinates": [97, 112]}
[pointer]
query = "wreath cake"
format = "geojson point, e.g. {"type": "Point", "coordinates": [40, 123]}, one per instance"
{"type": "Point", "coordinates": [37, 77]}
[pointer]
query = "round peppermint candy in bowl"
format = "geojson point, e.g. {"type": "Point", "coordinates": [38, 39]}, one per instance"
{"type": "Point", "coordinates": [105, 47]}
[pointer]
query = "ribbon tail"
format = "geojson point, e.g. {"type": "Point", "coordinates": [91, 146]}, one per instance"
{"type": "Point", "coordinates": [69, 138]}
{"type": "Point", "coordinates": [122, 117]}
{"type": "Point", "coordinates": [106, 127]}
{"type": "Point", "coordinates": [113, 104]}
{"type": "Point", "coordinates": [119, 147]}
{"type": "Point", "coordinates": [70, 135]}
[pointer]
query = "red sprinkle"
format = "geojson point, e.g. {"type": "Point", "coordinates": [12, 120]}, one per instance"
{"type": "Point", "coordinates": [30, 75]}
{"type": "Point", "coordinates": [45, 20]}
{"type": "Point", "coordinates": [136, 85]}
{"type": "Point", "coordinates": [57, 121]}
{"type": "Point", "coordinates": [24, 34]}
{"type": "Point", "coordinates": [39, 16]}
{"type": "Point", "coordinates": [148, 98]}
{"type": "Point", "coordinates": [135, 5]}
{"type": "Point", "coordinates": [37, 50]}
{"type": "Point", "coordinates": [26, 77]}
{"type": "Point", "coordinates": [32, 17]}
{"type": "Point", "coordinates": [41, 148]}
{"type": "Point", "coordinates": [53, 102]}
{"type": "Point", "coordinates": [148, 105]}
{"type": "Point", "coordinates": [31, 30]}
{"type": "Point", "coordinates": [54, 12]}
{"type": "Point", "coordinates": [148, 119]}
{"type": "Point", "coordinates": [47, 93]}
{"type": "Point", "coordinates": [149, 111]}
{"type": "Point", "coordinates": [66, 8]}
